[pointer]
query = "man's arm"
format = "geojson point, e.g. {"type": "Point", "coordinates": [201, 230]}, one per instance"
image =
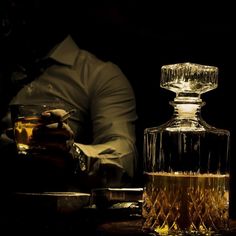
{"type": "Point", "coordinates": [113, 154]}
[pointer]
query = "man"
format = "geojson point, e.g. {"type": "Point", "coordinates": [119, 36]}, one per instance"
{"type": "Point", "coordinates": [101, 140]}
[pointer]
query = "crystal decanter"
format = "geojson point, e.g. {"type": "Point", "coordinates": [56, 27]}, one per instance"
{"type": "Point", "coordinates": [186, 160]}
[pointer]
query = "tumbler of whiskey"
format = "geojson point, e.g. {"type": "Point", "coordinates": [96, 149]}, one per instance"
{"type": "Point", "coordinates": [25, 118]}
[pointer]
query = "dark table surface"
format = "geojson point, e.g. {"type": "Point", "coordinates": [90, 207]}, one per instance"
{"type": "Point", "coordinates": [30, 216]}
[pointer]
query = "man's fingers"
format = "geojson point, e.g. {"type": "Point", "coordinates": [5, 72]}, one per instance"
{"type": "Point", "coordinates": [54, 113]}
{"type": "Point", "coordinates": [53, 130]}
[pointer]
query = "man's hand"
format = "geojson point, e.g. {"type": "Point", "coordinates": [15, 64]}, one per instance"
{"type": "Point", "coordinates": [54, 134]}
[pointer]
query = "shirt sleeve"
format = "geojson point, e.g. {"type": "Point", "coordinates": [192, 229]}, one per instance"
{"type": "Point", "coordinates": [113, 114]}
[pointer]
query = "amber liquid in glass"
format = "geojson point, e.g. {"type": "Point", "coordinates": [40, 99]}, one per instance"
{"type": "Point", "coordinates": [185, 203]}
{"type": "Point", "coordinates": [23, 131]}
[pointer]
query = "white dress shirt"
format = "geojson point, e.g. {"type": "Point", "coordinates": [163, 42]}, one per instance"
{"type": "Point", "coordinates": [102, 97]}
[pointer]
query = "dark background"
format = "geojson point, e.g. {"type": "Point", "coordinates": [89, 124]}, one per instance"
{"type": "Point", "coordinates": [140, 37]}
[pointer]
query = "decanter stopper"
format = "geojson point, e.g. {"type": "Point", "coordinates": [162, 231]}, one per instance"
{"type": "Point", "coordinates": [189, 80]}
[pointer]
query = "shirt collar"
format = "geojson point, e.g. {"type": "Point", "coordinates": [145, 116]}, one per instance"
{"type": "Point", "coordinates": [65, 52]}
